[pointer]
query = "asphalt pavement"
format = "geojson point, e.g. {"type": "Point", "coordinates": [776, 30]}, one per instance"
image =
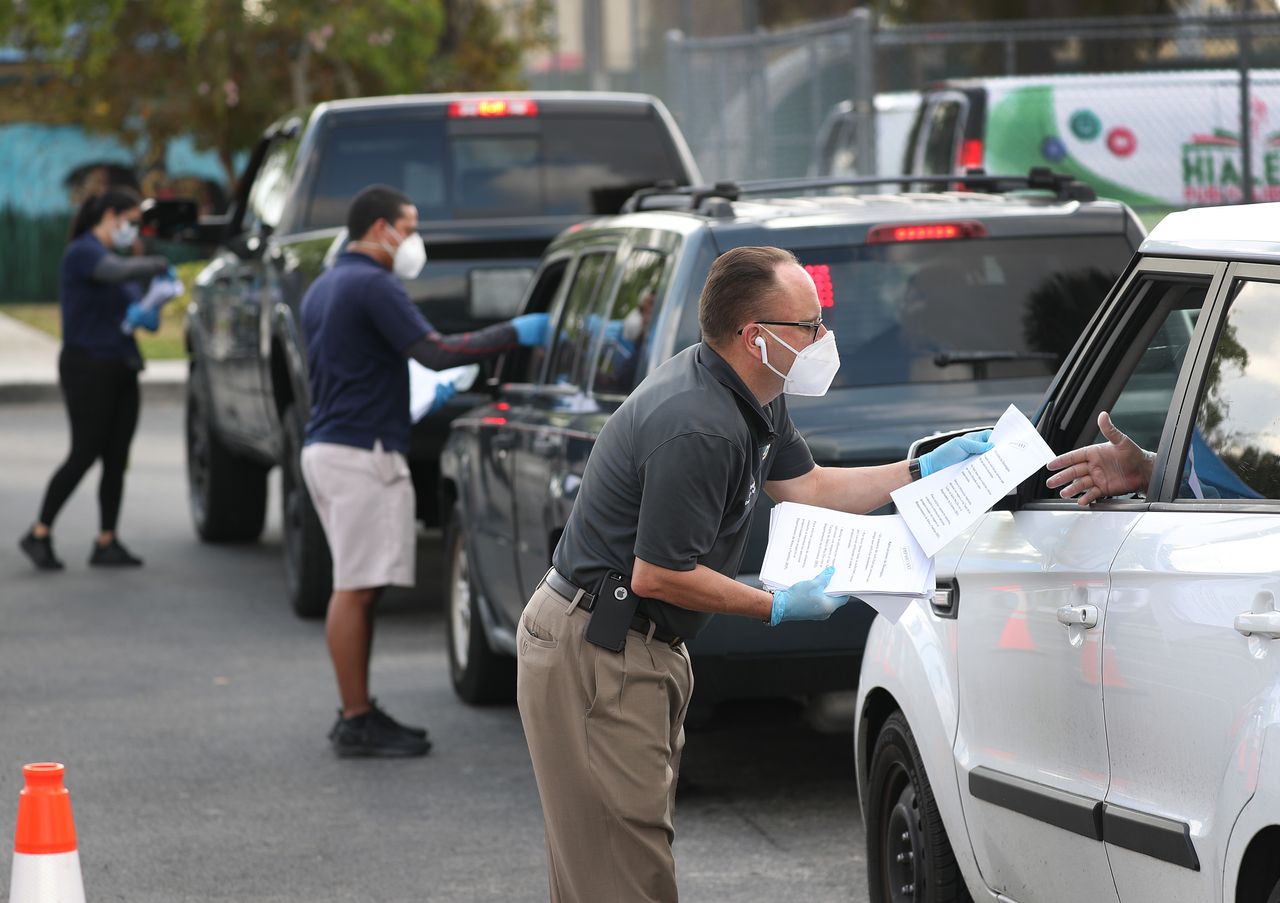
{"type": "Point", "coordinates": [190, 707]}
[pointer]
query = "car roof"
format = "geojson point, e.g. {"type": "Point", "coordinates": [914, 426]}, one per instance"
{"type": "Point", "coordinates": [1244, 231]}
{"type": "Point", "coordinates": [555, 100]}
{"type": "Point", "coordinates": [1002, 215]}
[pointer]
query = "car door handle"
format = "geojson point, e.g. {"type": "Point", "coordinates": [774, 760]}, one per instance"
{"type": "Point", "coordinates": [1259, 623]}
{"type": "Point", "coordinates": [1085, 616]}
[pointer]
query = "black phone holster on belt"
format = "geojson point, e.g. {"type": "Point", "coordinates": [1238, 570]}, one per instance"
{"type": "Point", "coordinates": [613, 612]}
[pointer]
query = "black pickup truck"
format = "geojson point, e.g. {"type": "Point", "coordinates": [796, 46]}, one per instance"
{"type": "Point", "coordinates": [495, 178]}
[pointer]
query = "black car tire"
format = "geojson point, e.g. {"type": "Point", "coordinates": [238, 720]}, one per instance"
{"type": "Point", "coordinates": [909, 857]}
{"type": "Point", "coordinates": [308, 567]}
{"type": "Point", "coordinates": [479, 674]}
{"type": "Point", "coordinates": [227, 493]}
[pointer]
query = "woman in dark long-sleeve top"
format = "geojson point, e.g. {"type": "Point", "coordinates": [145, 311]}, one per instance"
{"type": "Point", "coordinates": [98, 367]}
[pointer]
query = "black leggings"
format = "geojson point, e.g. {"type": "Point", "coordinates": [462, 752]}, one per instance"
{"type": "Point", "coordinates": [102, 405]}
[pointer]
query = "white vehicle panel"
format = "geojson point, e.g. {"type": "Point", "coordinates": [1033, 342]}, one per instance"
{"type": "Point", "coordinates": [914, 661]}
{"type": "Point", "coordinates": [1031, 698]}
{"type": "Point", "coordinates": [1187, 696]}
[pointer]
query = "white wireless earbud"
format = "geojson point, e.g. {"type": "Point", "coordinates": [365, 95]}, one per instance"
{"type": "Point", "coordinates": [764, 352]}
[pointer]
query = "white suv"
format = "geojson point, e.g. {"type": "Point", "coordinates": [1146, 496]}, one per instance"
{"type": "Point", "coordinates": [1089, 709]}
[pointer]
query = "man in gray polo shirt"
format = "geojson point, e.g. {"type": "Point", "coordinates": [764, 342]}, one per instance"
{"type": "Point", "coordinates": [662, 515]}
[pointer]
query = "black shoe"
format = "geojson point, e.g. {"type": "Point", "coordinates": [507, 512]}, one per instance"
{"type": "Point", "coordinates": [375, 734]}
{"type": "Point", "coordinates": [377, 712]}
{"type": "Point", "coordinates": [40, 551]}
{"type": "Point", "coordinates": [113, 554]}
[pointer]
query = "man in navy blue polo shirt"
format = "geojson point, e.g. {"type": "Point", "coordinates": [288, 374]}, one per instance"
{"type": "Point", "coordinates": [360, 327]}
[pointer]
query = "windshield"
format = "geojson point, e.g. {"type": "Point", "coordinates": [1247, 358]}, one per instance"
{"type": "Point", "coordinates": [553, 165]}
{"type": "Point", "coordinates": [937, 311]}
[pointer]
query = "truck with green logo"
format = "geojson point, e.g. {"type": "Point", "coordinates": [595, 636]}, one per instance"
{"type": "Point", "coordinates": [1154, 140]}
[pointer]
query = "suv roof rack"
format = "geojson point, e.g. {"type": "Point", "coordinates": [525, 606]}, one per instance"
{"type": "Point", "coordinates": [703, 198]}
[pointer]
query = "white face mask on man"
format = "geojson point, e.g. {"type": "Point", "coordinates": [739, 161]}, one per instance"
{"type": "Point", "coordinates": [409, 257]}
{"type": "Point", "coordinates": [813, 369]}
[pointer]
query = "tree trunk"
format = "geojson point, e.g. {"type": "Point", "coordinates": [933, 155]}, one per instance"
{"type": "Point", "coordinates": [298, 75]}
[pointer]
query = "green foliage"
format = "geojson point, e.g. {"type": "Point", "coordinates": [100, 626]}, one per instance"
{"type": "Point", "coordinates": [221, 70]}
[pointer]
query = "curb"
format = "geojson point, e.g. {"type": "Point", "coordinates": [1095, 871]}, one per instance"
{"type": "Point", "coordinates": [37, 393]}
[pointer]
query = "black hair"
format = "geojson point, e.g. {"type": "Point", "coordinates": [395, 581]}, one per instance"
{"type": "Point", "coordinates": [372, 204]}
{"type": "Point", "coordinates": [95, 207]}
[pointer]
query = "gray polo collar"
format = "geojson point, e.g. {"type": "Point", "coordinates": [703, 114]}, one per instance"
{"type": "Point", "coordinates": [709, 358]}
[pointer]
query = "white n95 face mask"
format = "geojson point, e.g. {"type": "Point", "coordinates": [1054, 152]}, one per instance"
{"type": "Point", "coordinates": [409, 259]}
{"type": "Point", "coordinates": [813, 369]}
{"type": "Point", "coordinates": [124, 235]}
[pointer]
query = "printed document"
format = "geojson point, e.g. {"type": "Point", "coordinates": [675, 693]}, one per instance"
{"type": "Point", "coordinates": [872, 554]}
{"type": "Point", "coordinates": [941, 506]}
{"type": "Point", "coordinates": [423, 382]}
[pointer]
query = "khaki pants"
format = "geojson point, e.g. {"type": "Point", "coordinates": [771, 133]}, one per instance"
{"type": "Point", "coordinates": [605, 733]}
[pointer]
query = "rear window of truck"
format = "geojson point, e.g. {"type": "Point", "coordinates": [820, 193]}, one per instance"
{"type": "Point", "coordinates": [552, 165]}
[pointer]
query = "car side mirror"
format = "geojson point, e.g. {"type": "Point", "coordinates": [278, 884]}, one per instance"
{"type": "Point", "coordinates": [250, 245]}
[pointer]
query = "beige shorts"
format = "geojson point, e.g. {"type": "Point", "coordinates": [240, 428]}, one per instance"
{"type": "Point", "coordinates": [366, 505]}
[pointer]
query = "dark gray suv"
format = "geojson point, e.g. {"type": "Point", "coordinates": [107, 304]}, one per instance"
{"type": "Point", "coordinates": [946, 306]}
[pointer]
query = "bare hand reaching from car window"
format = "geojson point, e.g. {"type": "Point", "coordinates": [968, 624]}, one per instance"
{"type": "Point", "coordinates": [1109, 468]}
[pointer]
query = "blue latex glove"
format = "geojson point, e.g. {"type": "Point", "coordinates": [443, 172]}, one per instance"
{"type": "Point", "coordinates": [137, 315]}
{"type": "Point", "coordinates": [953, 451]}
{"type": "Point", "coordinates": [612, 328]}
{"type": "Point", "coordinates": [531, 329]}
{"type": "Point", "coordinates": [806, 601]}
{"type": "Point", "coordinates": [444, 392]}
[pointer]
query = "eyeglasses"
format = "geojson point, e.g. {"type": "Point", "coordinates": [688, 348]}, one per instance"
{"type": "Point", "coordinates": [804, 324]}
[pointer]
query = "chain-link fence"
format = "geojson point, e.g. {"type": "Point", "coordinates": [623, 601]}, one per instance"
{"type": "Point", "coordinates": [753, 106]}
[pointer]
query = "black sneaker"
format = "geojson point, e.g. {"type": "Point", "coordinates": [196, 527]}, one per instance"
{"type": "Point", "coordinates": [377, 712]}
{"type": "Point", "coordinates": [373, 736]}
{"type": "Point", "coordinates": [40, 551]}
{"type": "Point", "coordinates": [113, 554]}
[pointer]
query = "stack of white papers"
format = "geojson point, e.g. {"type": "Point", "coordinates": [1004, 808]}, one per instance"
{"type": "Point", "coordinates": [943, 505]}
{"type": "Point", "coordinates": [423, 383]}
{"type": "Point", "coordinates": [875, 557]}
{"type": "Point", "coordinates": [886, 561]}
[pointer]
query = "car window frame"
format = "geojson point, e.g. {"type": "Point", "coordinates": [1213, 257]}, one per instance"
{"type": "Point", "coordinates": [1086, 372]}
{"type": "Point", "coordinates": [601, 244]}
{"type": "Point", "coordinates": [1168, 465]}
{"type": "Point", "coordinates": [552, 260]}
{"type": "Point", "coordinates": [625, 253]}
{"type": "Point", "coordinates": [957, 132]}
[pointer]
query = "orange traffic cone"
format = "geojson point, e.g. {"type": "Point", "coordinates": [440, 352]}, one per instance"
{"type": "Point", "coordinates": [46, 865]}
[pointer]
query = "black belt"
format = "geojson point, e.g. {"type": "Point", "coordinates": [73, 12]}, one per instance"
{"type": "Point", "coordinates": [639, 623]}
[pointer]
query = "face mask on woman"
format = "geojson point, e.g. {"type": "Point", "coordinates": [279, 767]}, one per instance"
{"type": "Point", "coordinates": [124, 235]}
{"type": "Point", "coordinates": [813, 369]}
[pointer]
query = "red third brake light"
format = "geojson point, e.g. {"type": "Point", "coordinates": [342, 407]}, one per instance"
{"type": "Point", "coordinates": [881, 235]}
{"type": "Point", "coordinates": [491, 108]}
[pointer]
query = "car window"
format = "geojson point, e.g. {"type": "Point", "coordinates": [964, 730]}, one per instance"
{"type": "Point", "coordinates": [570, 165]}
{"type": "Point", "coordinates": [935, 311]}
{"type": "Point", "coordinates": [525, 364]}
{"type": "Point", "coordinates": [578, 321]}
{"type": "Point", "coordinates": [940, 140]}
{"type": "Point", "coordinates": [1136, 372]}
{"type": "Point", "coordinates": [1234, 451]}
{"type": "Point", "coordinates": [270, 188]}
{"type": "Point", "coordinates": [625, 332]}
